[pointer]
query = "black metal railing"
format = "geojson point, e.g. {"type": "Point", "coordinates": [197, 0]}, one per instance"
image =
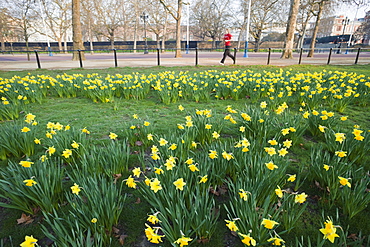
{"type": "Point", "coordinates": [269, 52]}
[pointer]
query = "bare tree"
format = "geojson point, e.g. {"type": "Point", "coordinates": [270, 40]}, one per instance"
{"type": "Point", "coordinates": [211, 18]}
{"type": "Point", "coordinates": [57, 19]}
{"type": "Point", "coordinates": [21, 13]}
{"type": "Point", "coordinates": [264, 12]}
{"type": "Point", "coordinates": [363, 32]}
{"type": "Point", "coordinates": [109, 17]}
{"type": "Point", "coordinates": [291, 26]}
{"type": "Point", "coordinates": [4, 26]}
{"type": "Point", "coordinates": [304, 16]}
{"type": "Point", "coordinates": [157, 20]}
{"type": "Point", "coordinates": [76, 28]}
{"type": "Point", "coordinates": [320, 7]}
{"type": "Point", "coordinates": [176, 13]}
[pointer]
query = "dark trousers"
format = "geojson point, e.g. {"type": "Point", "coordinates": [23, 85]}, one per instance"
{"type": "Point", "coordinates": [227, 53]}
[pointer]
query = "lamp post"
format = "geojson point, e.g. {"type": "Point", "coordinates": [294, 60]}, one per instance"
{"type": "Point", "coordinates": [187, 27]}
{"type": "Point", "coordinates": [145, 17]}
{"type": "Point", "coordinates": [247, 34]}
{"type": "Point", "coordinates": [344, 22]}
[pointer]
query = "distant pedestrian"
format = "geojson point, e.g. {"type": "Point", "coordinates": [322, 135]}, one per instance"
{"type": "Point", "coordinates": [227, 39]}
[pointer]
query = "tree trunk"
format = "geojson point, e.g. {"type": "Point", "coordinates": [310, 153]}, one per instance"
{"type": "Point", "coordinates": [289, 38]}
{"type": "Point", "coordinates": [112, 41]}
{"type": "Point", "coordinates": [178, 31]}
{"type": "Point", "coordinates": [315, 30]}
{"type": "Point", "coordinates": [77, 32]}
{"type": "Point", "coordinates": [60, 44]}
{"type": "Point", "coordinates": [163, 45]}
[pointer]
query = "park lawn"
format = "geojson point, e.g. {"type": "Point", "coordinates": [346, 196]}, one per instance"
{"type": "Point", "coordinates": [101, 119]}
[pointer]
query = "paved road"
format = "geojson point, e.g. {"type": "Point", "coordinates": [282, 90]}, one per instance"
{"type": "Point", "coordinates": [15, 61]}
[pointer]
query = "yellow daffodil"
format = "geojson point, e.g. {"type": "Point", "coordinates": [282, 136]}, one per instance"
{"type": "Point", "coordinates": [149, 137]}
{"type": "Point", "coordinates": [292, 178]}
{"type": "Point", "coordinates": [183, 241]}
{"type": "Point", "coordinates": [279, 192]}
{"type": "Point", "coordinates": [29, 182]}
{"type": "Point", "coordinates": [181, 108]}
{"type": "Point", "coordinates": [29, 241]}
{"type": "Point", "coordinates": [300, 198]}
{"type": "Point", "coordinates": [212, 154]}
{"type": "Point", "coordinates": [287, 143]}
{"type": "Point", "coordinates": [75, 145]}
{"type": "Point", "coordinates": [153, 219]}
{"type": "Point", "coordinates": [263, 104]}
{"type": "Point", "coordinates": [344, 181]}
{"type": "Point", "coordinates": [113, 136]}
{"type": "Point", "coordinates": [276, 241]}
{"type": "Point", "coordinates": [25, 163]}
{"type": "Point", "coordinates": [75, 189]}
{"type": "Point", "coordinates": [285, 131]}
{"type": "Point", "coordinates": [179, 183]}
{"type": "Point", "coordinates": [341, 154]}
{"type": "Point", "coordinates": [329, 231]}
{"type": "Point", "coordinates": [231, 225]}
{"type": "Point", "coordinates": [326, 167]}
{"type": "Point", "coordinates": [282, 152]}
{"type": "Point", "coordinates": [25, 129]}
{"type": "Point", "coordinates": [270, 150]}
{"type": "Point", "coordinates": [158, 171]}
{"type": "Point", "coordinates": [270, 165]}
{"type": "Point", "coordinates": [248, 240]}
{"type": "Point", "coordinates": [67, 153]}
{"type": "Point", "coordinates": [273, 142]}
{"type": "Point", "coordinates": [203, 179]}
{"type": "Point", "coordinates": [227, 156]}
{"type": "Point", "coordinates": [146, 123]}
{"type": "Point", "coordinates": [215, 135]}
{"type": "Point", "coordinates": [269, 224]}
{"type": "Point", "coordinates": [162, 142]}
{"type": "Point", "coordinates": [193, 168]}
{"type": "Point", "coordinates": [136, 171]}
{"type": "Point", "coordinates": [340, 137]}
{"type": "Point", "coordinates": [173, 146]}
{"type": "Point", "coordinates": [94, 220]}
{"type": "Point", "coordinates": [155, 185]}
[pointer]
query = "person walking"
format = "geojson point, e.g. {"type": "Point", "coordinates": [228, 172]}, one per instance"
{"type": "Point", "coordinates": [227, 39]}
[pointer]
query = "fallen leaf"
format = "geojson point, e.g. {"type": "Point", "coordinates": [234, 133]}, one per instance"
{"type": "Point", "coordinates": [138, 200]}
{"type": "Point", "coordinates": [26, 219]}
{"type": "Point", "coordinates": [122, 239]}
{"type": "Point", "coordinates": [115, 230]}
{"type": "Point", "coordinates": [116, 177]}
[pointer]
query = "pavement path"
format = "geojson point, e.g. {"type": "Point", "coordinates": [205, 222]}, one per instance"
{"type": "Point", "coordinates": [17, 62]}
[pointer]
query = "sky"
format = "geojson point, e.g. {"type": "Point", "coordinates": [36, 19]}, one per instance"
{"type": "Point", "coordinates": [350, 11]}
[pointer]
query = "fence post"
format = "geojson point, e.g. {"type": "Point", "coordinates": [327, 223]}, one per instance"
{"type": "Point", "coordinates": [331, 49]}
{"type": "Point", "coordinates": [268, 57]}
{"type": "Point", "coordinates": [37, 59]}
{"type": "Point", "coordinates": [115, 58]}
{"type": "Point", "coordinates": [158, 58]}
{"type": "Point", "coordinates": [300, 56]}
{"type": "Point", "coordinates": [79, 56]}
{"type": "Point", "coordinates": [196, 56]}
{"type": "Point", "coordinates": [234, 55]}
{"type": "Point", "coordinates": [358, 54]}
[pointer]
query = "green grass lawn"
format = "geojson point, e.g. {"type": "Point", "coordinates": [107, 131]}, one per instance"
{"type": "Point", "coordinates": [98, 160]}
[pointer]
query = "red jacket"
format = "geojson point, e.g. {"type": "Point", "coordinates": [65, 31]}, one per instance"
{"type": "Point", "coordinates": [227, 38]}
